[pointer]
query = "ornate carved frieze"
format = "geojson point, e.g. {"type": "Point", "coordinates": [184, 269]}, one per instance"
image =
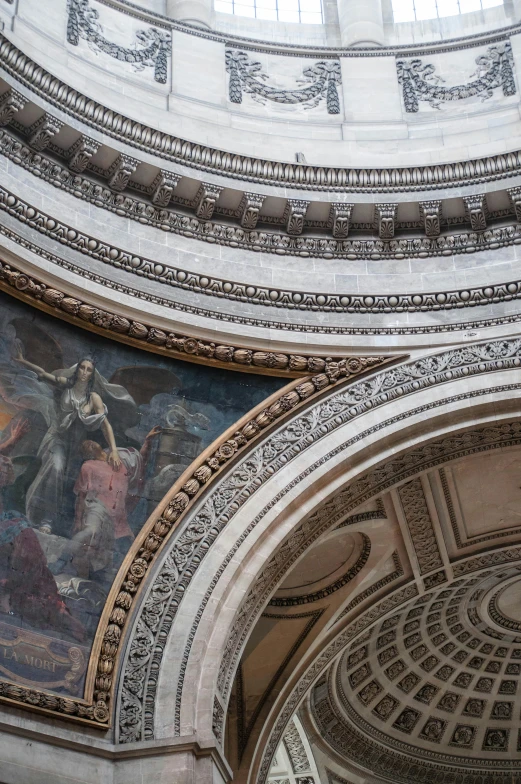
{"type": "Point", "coordinates": [136, 134]}
{"type": "Point", "coordinates": [11, 102]}
{"type": "Point", "coordinates": [179, 278]}
{"type": "Point", "coordinates": [385, 216]}
{"type": "Point", "coordinates": [81, 153]}
{"type": "Point", "coordinates": [121, 172]}
{"type": "Point", "coordinates": [339, 219]}
{"type": "Point", "coordinates": [476, 210]}
{"type": "Point", "coordinates": [247, 76]}
{"type": "Point", "coordinates": [218, 720]}
{"type": "Point", "coordinates": [89, 189]}
{"type": "Point", "coordinates": [420, 82]}
{"type": "Point", "coordinates": [295, 215]}
{"type": "Point", "coordinates": [205, 201]}
{"type": "Point", "coordinates": [182, 346]}
{"type": "Point", "coordinates": [216, 513]}
{"type": "Point", "coordinates": [151, 49]}
{"type": "Point", "coordinates": [249, 209]}
{"type": "Point", "coordinates": [420, 525]}
{"type": "Point", "coordinates": [430, 214]}
{"type": "Point", "coordinates": [295, 749]}
{"type": "Point", "coordinates": [515, 199]}
{"type": "Point", "coordinates": [42, 132]}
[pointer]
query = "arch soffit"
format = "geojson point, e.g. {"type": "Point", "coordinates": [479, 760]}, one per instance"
{"type": "Point", "coordinates": [442, 383]}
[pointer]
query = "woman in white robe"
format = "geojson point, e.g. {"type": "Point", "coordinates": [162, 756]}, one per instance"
{"type": "Point", "coordinates": [79, 410]}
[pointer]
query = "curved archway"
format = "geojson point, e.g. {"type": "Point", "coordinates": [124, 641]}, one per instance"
{"type": "Point", "coordinates": [271, 506]}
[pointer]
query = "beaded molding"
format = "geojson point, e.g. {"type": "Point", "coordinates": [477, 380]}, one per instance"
{"type": "Point", "coordinates": [295, 175]}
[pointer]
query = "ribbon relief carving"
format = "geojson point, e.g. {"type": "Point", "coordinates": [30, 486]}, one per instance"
{"type": "Point", "coordinates": [319, 82]}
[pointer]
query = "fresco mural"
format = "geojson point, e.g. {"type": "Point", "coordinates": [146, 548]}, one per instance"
{"type": "Point", "coordinates": [92, 435]}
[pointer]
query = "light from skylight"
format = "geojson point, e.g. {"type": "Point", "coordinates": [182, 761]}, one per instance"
{"type": "Point", "coordinates": [416, 10]}
{"type": "Point", "coordinates": [303, 11]}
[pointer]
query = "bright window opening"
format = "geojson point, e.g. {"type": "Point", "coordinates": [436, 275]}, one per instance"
{"type": "Point", "coordinates": [303, 11]}
{"type": "Point", "coordinates": [416, 10]}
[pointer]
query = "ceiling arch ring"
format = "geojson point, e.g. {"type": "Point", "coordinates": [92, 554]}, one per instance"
{"type": "Point", "coordinates": [213, 286]}
{"type": "Point", "coordinates": [237, 166]}
{"type": "Point", "coordinates": [142, 668]}
{"type": "Point", "coordinates": [326, 246]}
{"type": "Point", "coordinates": [10, 271]}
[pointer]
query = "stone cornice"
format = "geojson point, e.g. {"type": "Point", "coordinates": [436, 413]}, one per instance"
{"type": "Point", "coordinates": [212, 286]}
{"type": "Point", "coordinates": [85, 314]}
{"type": "Point", "coordinates": [86, 186]}
{"type": "Point", "coordinates": [242, 167]}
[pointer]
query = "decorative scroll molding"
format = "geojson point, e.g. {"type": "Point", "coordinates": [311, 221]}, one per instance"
{"type": "Point", "coordinates": [151, 49]}
{"type": "Point", "coordinates": [515, 199]}
{"type": "Point", "coordinates": [295, 749]}
{"type": "Point", "coordinates": [295, 215]}
{"type": "Point", "coordinates": [430, 214]}
{"type": "Point", "coordinates": [159, 609]}
{"type": "Point", "coordinates": [163, 189]}
{"type": "Point", "coordinates": [339, 219]}
{"type": "Point", "coordinates": [420, 525]}
{"type": "Point", "coordinates": [82, 313]}
{"type": "Point", "coordinates": [385, 215]}
{"type": "Point", "coordinates": [420, 83]}
{"type": "Point", "coordinates": [476, 210]}
{"type": "Point", "coordinates": [205, 201]}
{"type": "Point", "coordinates": [261, 295]}
{"type": "Point", "coordinates": [124, 168]}
{"type": "Point", "coordinates": [11, 102]}
{"type": "Point", "coordinates": [43, 131]}
{"type": "Point", "coordinates": [155, 142]}
{"type": "Point", "coordinates": [155, 212]}
{"type": "Point", "coordinates": [81, 153]}
{"type": "Point", "coordinates": [249, 209]}
{"type": "Point", "coordinates": [247, 76]}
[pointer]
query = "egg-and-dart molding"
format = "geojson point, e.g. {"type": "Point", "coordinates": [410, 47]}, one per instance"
{"type": "Point", "coordinates": [395, 239]}
{"type": "Point", "coordinates": [258, 295]}
{"type": "Point", "coordinates": [242, 167]}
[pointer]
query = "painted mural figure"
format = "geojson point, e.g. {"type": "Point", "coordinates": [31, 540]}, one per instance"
{"type": "Point", "coordinates": [80, 409]}
{"type": "Point", "coordinates": [88, 449]}
{"type": "Point", "coordinates": [27, 587]}
{"type": "Point", "coordinates": [105, 495]}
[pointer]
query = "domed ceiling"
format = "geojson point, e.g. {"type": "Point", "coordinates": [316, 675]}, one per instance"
{"type": "Point", "coordinates": [432, 692]}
